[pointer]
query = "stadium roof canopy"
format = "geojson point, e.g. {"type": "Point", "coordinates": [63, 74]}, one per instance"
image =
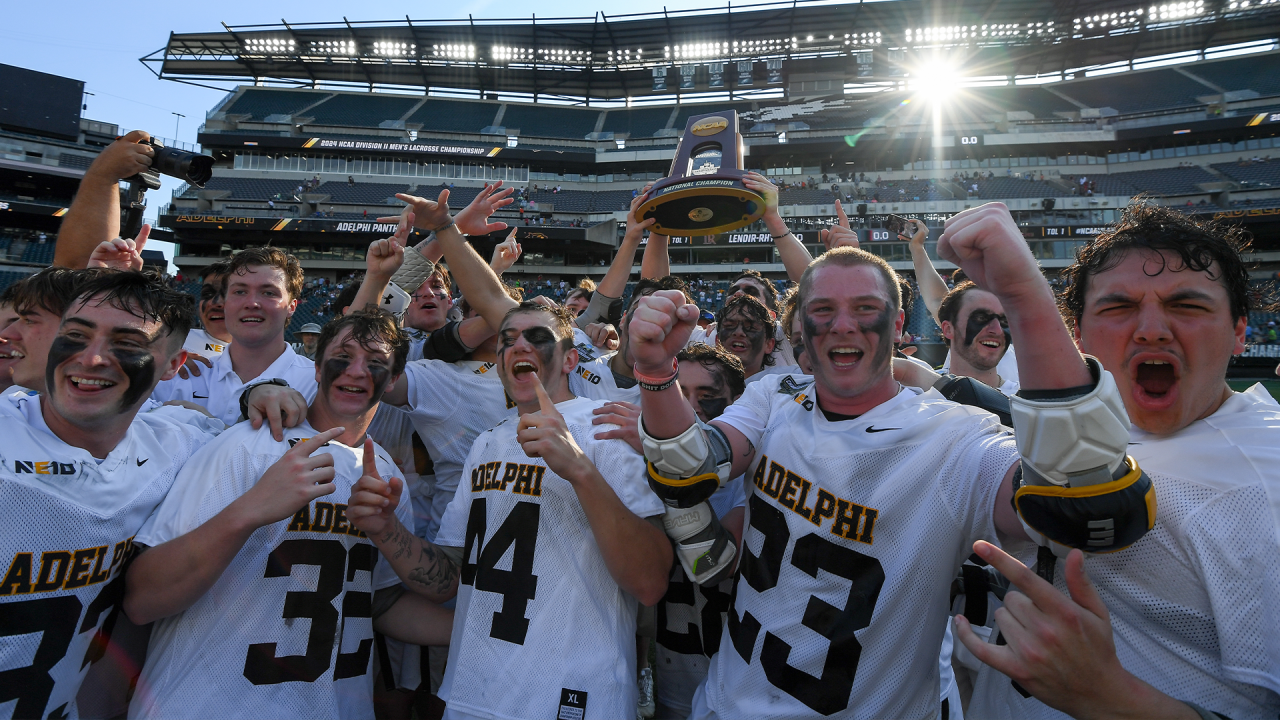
{"type": "Point", "coordinates": [742, 50]}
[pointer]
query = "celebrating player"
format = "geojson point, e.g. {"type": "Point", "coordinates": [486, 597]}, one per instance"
{"type": "Point", "coordinates": [977, 335]}
{"type": "Point", "coordinates": [236, 532]}
{"type": "Point", "coordinates": [212, 337]}
{"type": "Point", "coordinates": [83, 471]}
{"type": "Point", "coordinates": [574, 517]}
{"type": "Point", "coordinates": [263, 285]}
{"type": "Point", "coordinates": [1182, 623]}
{"type": "Point", "coordinates": [837, 466]}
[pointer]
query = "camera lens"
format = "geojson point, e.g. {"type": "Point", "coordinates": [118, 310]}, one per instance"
{"type": "Point", "coordinates": [195, 169]}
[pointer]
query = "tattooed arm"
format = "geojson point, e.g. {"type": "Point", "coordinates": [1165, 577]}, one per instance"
{"type": "Point", "coordinates": [423, 566]}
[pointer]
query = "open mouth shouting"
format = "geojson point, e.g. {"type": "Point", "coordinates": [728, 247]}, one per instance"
{"type": "Point", "coordinates": [738, 347]}
{"type": "Point", "coordinates": [845, 357]}
{"type": "Point", "coordinates": [1155, 379]}
{"type": "Point", "coordinates": [992, 343]}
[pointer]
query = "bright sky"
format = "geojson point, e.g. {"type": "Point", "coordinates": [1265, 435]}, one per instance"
{"type": "Point", "coordinates": [100, 43]}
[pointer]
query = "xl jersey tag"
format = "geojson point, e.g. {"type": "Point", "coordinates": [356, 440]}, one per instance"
{"type": "Point", "coordinates": [573, 704]}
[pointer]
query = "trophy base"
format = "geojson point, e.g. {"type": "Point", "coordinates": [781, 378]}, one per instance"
{"type": "Point", "coordinates": [703, 205]}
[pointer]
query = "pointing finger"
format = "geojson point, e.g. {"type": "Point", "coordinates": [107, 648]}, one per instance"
{"type": "Point", "coordinates": [545, 405]}
{"type": "Point", "coordinates": [844, 219]}
{"type": "Point", "coordinates": [312, 444]}
{"type": "Point", "coordinates": [141, 241]}
{"type": "Point", "coordinates": [370, 461]}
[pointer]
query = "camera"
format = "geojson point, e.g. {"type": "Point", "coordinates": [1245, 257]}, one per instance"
{"type": "Point", "coordinates": [192, 167]}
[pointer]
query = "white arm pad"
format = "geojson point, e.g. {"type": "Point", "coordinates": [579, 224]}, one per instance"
{"type": "Point", "coordinates": [682, 456]}
{"type": "Point", "coordinates": [1073, 443]}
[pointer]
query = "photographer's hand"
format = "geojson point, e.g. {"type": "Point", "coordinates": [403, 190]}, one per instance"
{"type": "Point", "coordinates": [94, 216]}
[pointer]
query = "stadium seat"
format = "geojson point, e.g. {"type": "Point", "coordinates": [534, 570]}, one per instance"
{"type": "Point", "coordinates": [1137, 92]}
{"type": "Point", "coordinates": [550, 121]}
{"type": "Point", "coordinates": [1261, 174]}
{"type": "Point", "coordinates": [361, 193]}
{"type": "Point", "coordinates": [365, 110]}
{"type": "Point", "coordinates": [453, 116]}
{"type": "Point", "coordinates": [1009, 187]}
{"type": "Point", "coordinates": [259, 103]}
{"type": "Point", "coordinates": [636, 122]}
{"type": "Point", "coordinates": [1167, 181]}
{"type": "Point", "coordinates": [1246, 73]}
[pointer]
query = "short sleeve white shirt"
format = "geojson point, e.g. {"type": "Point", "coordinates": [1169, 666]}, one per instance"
{"type": "Point", "coordinates": [1195, 603]}
{"type": "Point", "coordinates": [218, 388]}
{"type": "Point", "coordinates": [286, 631]}
{"type": "Point", "coordinates": [70, 528]}
{"type": "Point", "coordinates": [863, 522]}
{"type": "Point", "coordinates": [541, 627]}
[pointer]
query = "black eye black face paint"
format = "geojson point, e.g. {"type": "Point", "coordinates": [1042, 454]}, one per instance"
{"type": "Point", "coordinates": [882, 326]}
{"type": "Point", "coordinates": [62, 349]}
{"type": "Point", "coordinates": [812, 329]}
{"type": "Point", "coordinates": [713, 408]}
{"type": "Point", "coordinates": [542, 339]}
{"type": "Point", "coordinates": [752, 330]}
{"type": "Point", "coordinates": [332, 369]}
{"type": "Point", "coordinates": [979, 319]}
{"type": "Point", "coordinates": [140, 368]}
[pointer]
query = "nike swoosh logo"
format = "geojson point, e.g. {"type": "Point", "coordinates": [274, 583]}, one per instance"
{"type": "Point", "coordinates": [202, 397]}
{"type": "Point", "coordinates": [876, 429]}
{"type": "Point", "coordinates": [143, 462]}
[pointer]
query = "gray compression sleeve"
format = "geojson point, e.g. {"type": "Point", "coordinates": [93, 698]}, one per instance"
{"type": "Point", "coordinates": [597, 310]}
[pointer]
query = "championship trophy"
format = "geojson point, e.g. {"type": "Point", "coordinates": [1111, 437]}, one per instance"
{"type": "Point", "coordinates": [704, 193]}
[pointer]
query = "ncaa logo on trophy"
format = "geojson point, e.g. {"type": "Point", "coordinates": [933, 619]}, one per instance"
{"type": "Point", "coordinates": [704, 193]}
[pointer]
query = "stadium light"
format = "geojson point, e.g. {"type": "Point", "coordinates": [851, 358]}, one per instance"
{"type": "Point", "coordinates": [935, 80]}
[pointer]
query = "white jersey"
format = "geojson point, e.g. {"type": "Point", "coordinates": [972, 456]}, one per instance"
{"type": "Point", "coordinates": [774, 370]}
{"type": "Point", "coordinates": [1194, 604]}
{"type": "Point", "coordinates": [887, 506]}
{"type": "Point", "coordinates": [541, 628]}
{"type": "Point", "coordinates": [690, 620]}
{"type": "Point", "coordinates": [286, 631]}
{"type": "Point", "coordinates": [69, 527]}
{"type": "Point", "coordinates": [217, 389]}
{"type": "Point", "coordinates": [593, 378]}
{"type": "Point", "coordinates": [204, 344]}
{"type": "Point", "coordinates": [417, 340]}
{"type": "Point", "coordinates": [450, 404]}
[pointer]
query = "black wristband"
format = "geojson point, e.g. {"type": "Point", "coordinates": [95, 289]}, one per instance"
{"type": "Point", "coordinates": [779, 237]}
{"type": "Point", "coordinates": [244, 394]}
{"type": "Point", "coordinates": [660, 387]}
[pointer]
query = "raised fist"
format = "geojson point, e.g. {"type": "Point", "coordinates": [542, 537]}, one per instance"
{"type": "Point", "coordinates": [987, 244]}
{"type": "Point", "coordinates": [659, 328]}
